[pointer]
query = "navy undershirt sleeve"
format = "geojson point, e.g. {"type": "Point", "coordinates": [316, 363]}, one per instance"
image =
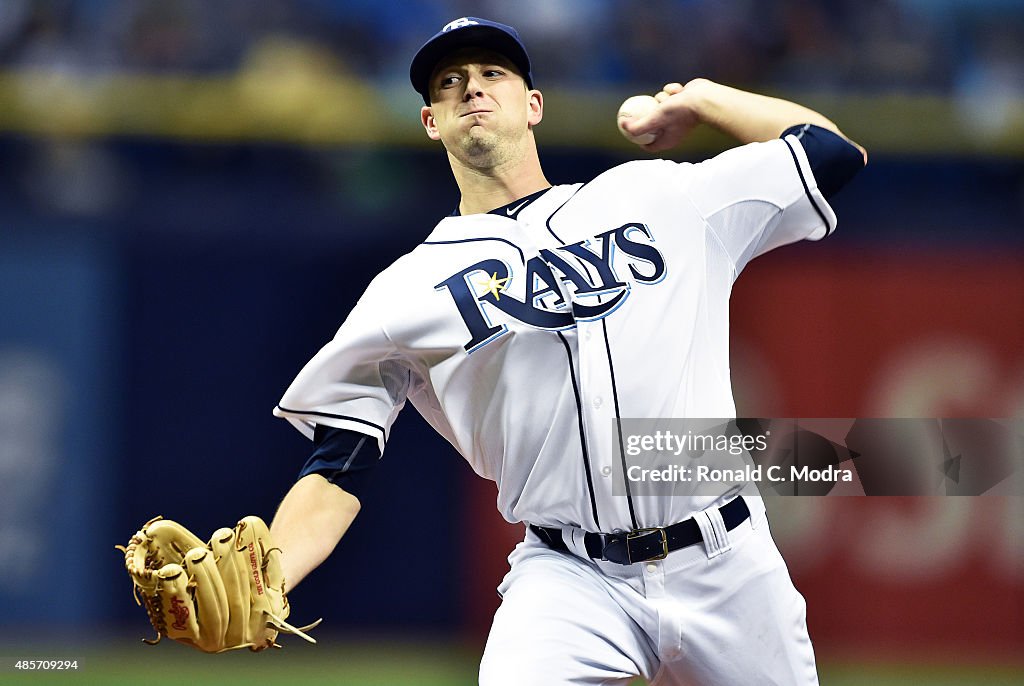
{"type": "Point", "coordinates": [343, 457]}
{"type": "Point", "coordinates": [834, 160]}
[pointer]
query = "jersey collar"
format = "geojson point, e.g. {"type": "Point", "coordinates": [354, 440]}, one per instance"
{"type": "Point", "coordinates": [512, 209]}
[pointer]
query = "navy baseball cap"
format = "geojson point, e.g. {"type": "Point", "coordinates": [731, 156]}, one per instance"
{"type": "Point", "coordinates": [468, 32]}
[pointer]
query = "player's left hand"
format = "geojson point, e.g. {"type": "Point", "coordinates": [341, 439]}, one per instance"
{"type": "Point", "coordinates": [224, 595]}
{"type": "Point", "coordinates": [673, 119]}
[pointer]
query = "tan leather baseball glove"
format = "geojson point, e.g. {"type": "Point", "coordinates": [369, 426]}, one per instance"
{"type": "Point", "coordinates": [224, 595]}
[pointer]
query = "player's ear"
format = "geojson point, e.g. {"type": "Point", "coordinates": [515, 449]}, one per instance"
{"type": "Point", "coordinates": [534, 107]}
{"type": "Point", "coordinates": [427, 119]}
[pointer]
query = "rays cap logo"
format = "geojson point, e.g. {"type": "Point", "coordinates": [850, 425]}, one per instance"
{"type": "Point", "coordinates": [468, 32]}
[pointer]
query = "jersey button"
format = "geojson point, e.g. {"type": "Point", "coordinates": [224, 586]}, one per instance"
{"type": "Point", "coordinates": [598, 402]}
{"type": "Point", "coordinates": [606, 471]}
{"type": "Point", "coordinates": [587, 334]}
{"type": "Point", "coordinates": [652, 568]}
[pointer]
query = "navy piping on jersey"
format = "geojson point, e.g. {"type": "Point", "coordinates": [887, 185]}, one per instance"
{"type": "Point", "coordinates": [618, 423]}
{"type": "Point", "coordinates": [332, 416]}
{"type": "Point", "coordinates": [487, 238]}
{"type": "Point", "coordinates": [615, 391]}
{"type": "Point", "coordinates": [807, 190]}
{"type": "Point", "coordinates": [583, 437]}
{"type": "Point", "coordinates": [548, 222]}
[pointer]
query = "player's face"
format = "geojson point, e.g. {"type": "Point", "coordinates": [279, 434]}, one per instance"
{"type": "Point", "coordinates": [480, 107]}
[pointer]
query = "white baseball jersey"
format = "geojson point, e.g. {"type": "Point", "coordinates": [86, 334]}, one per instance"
{"type": "Point", "coordinates": [521, 335]}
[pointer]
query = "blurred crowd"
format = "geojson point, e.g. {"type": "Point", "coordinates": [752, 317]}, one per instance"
{"type": "Point", "coordinates": [933, 46]}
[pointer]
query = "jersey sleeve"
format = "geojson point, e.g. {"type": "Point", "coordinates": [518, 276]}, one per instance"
{"type": "Point", "coordinates": [356, 382]}
{"type": "Point", "coordinates": [758, 197]}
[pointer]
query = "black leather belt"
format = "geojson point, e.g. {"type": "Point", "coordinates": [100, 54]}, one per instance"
{"type": "Point", "coordinates": [642, 545]}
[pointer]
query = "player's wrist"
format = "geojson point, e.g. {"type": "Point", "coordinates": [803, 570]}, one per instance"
{"type": "Point", "coordinates": [698, 96]}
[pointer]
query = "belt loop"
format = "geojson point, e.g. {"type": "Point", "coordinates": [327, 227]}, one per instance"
{"type": "Point", "coordinates": [576, 542]}
{"type": "Point", "coordinates": [757, 511]}
{"type": "Point", "coordinates": [712, 529]}
{"type": "Point", "coordinates": [552, 538]}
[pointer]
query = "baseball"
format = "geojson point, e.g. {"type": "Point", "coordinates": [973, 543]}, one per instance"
{"type": "Point", "coordinates": [634, 108]}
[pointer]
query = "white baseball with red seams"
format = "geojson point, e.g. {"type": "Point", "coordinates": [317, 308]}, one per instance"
{"type": "Point", "coordinates": [636, 107]}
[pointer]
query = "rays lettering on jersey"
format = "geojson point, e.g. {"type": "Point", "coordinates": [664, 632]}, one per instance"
{"type": "Point", "coordinates": [544, 306]}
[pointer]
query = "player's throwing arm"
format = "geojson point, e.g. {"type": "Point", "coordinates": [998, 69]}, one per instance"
{"type": "Point", "coordinates": [665, 120]}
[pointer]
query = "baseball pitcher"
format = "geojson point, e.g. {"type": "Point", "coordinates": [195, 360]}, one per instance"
{"type": "Point", "coordinates": [529, 322]}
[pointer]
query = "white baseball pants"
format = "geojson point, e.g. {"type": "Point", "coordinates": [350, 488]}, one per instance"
{"type": "Point", "coordinates": [704, 616]}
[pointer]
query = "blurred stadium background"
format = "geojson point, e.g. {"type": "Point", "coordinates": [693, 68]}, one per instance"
{"type": "Point", "coordinates": [194, 193]}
